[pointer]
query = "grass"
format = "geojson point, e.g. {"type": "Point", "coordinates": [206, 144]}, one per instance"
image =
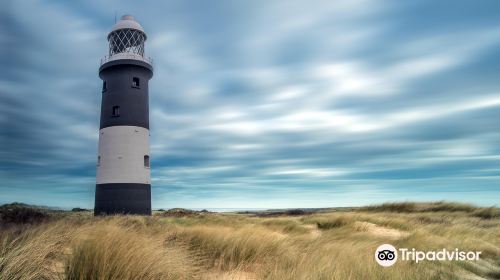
{"type": "Point", "coordinates": [109, 252]}
{"type": "Point", "coordinates": [333, 223]}
{"type": "Point", "coordinates": [408, 207]}
{"type": "Point", "coordinates": [202, 245]}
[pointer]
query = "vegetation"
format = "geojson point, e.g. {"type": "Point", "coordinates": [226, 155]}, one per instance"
{"type": "Point", "coordinates": [19, 213]}
{"type": "Point", "coordinates": [78, 209]}
{"type": "Point", "coordinates": [184, 244]}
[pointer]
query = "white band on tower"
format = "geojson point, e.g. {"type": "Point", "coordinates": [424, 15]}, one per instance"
{"type": "Point", "coordinates": [123, 155]}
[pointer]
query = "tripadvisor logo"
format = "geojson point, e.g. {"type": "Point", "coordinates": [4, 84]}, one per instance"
{"type": "Point", "coordinates": [387, 255]}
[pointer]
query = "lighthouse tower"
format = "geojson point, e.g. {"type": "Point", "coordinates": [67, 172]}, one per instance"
{"type": "Point", "coordinates": [123, 162]}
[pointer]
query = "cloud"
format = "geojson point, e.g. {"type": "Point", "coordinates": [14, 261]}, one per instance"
{"type": "Point", "coordinates": [261, 105]}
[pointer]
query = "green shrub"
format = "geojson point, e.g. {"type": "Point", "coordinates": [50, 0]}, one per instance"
{"type": "Point", "coordinates": [18, 213]}
{"type": "Point", "coordinates": [487, 213]}
{"type": "Point", "coordinates": [400, 207]}
{"type": "Point", "coordinates": [334, 223]}
{"type": "Point", "coordinates": [450, 207]}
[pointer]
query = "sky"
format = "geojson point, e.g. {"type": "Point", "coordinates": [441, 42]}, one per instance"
{"type": "Point", "coordinates": [262, 104]}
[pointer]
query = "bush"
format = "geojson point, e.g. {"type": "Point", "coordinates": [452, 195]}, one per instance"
{"type": "Point", "coordinates": [77, 209]}
{"type": "Point", "coordinates": [450, 207]}
{"type": "Point", "coordinates": [400, 207]}
{"type": "Point", "coordinates": [295, 212]}
{"type": "Point", "coordinates": [487, 213]}
{"type": "Point", "coordinates": [335, 223]}
{"type": "Point", "coordinates": [18, 213]}
{"type": "Point", "coordinates": [178, 212]}
{"type": "Point", "coordinates": [411, 207]}
{"type": "Point", "coordinates": [271, 213]}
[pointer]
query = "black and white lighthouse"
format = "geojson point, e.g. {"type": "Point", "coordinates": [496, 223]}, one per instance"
{"type": "Point", "coordinates": [123, 163]}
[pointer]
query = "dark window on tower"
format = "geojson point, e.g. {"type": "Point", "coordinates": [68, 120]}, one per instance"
{"type": "Point", "coordinates": [98, 160]}
{"type": "Point", "coordinates": [146, 161]}
{"type": "Point", "coordinates": [116, 111]}
{"type": "Point", "coordinates": [104, 88]}
{"type": "Point", "coordinates": [136, 82]}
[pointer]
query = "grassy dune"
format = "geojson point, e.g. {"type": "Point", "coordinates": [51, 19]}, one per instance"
{"type": "Point", "coordinates": [335, 244]}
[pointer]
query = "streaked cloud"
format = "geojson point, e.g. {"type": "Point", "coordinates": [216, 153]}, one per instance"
{"type": "Point", "coordinates": [262, 104]}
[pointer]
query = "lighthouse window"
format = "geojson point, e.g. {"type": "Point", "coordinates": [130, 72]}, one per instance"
{"type": "Point", "coordinates": [98, 160]}
{"type": "Point", "coordinates": [104, 88]}
{"type": "Point", "coordinates": [135, 82]}
{"type": "Point", "coordinates": [146, 161]}
{"type": "Point", "coordinates": [116, 111]}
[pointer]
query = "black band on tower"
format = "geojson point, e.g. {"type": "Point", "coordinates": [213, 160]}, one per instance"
{"type": "Point", "coordinates": [123, 198]}
{"type": "Point", "coordinates": [125, 96]}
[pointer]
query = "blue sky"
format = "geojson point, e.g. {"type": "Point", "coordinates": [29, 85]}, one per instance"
{"type": "Point", "coordinates": [262, 104]}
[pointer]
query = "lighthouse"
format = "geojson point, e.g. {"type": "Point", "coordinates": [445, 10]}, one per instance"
{"type": "Point", "coordinates": [123, 183]}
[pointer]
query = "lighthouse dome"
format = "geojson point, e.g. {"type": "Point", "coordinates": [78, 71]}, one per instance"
{"type": "Point", "coordinates": [127, 22]}
{"type": "Point", "coordinates": [126, 40]}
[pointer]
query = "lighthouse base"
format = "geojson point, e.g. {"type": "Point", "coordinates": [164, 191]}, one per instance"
{"type": "Point", "coordinates": [122, 198]}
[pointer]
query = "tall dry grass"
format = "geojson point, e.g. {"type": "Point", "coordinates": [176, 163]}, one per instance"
{"type": "Point", "coordinates": [333, 245]}
{"type": "Point", "coordinates": [109, 252]}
